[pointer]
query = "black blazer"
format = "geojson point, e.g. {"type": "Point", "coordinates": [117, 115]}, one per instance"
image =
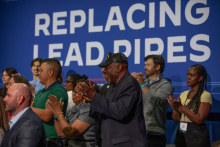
{"type": "Point", "coordinates": [122, 114]}
{"type": "Point", "coordinates": [28, 131]}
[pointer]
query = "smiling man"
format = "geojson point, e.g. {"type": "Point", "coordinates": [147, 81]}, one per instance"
{"type": "Point", "coordinates": [155, 90]}
{"type": "Point", "coordinates": [35, 65]}
{"type": "Point", "coordinates": [121, 110]}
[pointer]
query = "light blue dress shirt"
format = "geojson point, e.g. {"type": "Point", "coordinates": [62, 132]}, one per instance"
{"type": "Point", "coordinates": [38, 85]}
{"type": "Point", "coordinates": [16, 118]}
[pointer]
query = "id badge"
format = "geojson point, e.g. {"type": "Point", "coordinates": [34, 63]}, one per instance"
{"type": "Point", "coordinates": [183, 126]}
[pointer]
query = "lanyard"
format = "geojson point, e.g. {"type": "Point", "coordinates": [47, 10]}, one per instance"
{"type": "Point", "coordinates": [185, 103]}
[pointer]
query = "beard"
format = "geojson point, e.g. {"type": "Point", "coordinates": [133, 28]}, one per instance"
{"type": "Point", "coordinates": [150, 73]}
{"type": "Point", "coordinates": [11, 107]}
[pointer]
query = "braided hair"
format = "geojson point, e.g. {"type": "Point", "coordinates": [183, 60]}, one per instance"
{"type": "Point", "coordinates": [195, 101]}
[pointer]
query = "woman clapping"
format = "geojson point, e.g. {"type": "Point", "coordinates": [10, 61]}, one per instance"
{"type": "Point", "coordinates": [191, 110]}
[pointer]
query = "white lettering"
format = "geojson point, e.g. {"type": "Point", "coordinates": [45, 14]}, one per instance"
{"type": "Point", "coordinates": [125, 43]}
{"type": "Point", "coordinates": [197, 47]}
{"type": "Point", "coordinates": [171, 49]}
{"type": "Point", "coordinates": [151, 15]}
{"type": "Point", "coordinates": [131, 23]}
{"type": "Point", "coordinates": [44, 26]}
{"type": "Point", "coordinates": [53, 54]}
{"type": "Point", "coordinates": [93, 28]}
{"type": "Point", "coordinates": [149, 41]}
{"type": "Point", "coordinates": [73, 23]}
{"type": "Point", "coordinates": [137, 49]}
{"type": "Point", "coordinates": [175, 18]}
{"type": "Point", "coordinates": [57, 23]}
{"type": "Point", "coordinates": [203, 11]}
{"type": "Point", "coordinates": [118, 21]}
{"type": "Point", "coordinates": [89, 46]}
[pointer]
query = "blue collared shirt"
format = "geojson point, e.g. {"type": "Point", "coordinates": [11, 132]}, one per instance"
{"type": "Point", "coordinates": [38, 85]}
{"type": "Point", "coordinates": [16, 118]}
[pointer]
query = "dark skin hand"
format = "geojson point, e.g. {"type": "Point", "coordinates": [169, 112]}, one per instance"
{"type": "Point", "coordinates": [197, 118]}
{"type": "Point", "coordinates": [88, 91]}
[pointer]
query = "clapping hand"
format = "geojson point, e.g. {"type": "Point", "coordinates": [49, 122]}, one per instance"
{"type": "Point", "coordinates": [87, 91]}
{"type": "Point", "coordinates": [139, 77]}
{"type": "Point", "coordinates": [174, 103]}
{"type": "Point", "coordinates": [56, 106]}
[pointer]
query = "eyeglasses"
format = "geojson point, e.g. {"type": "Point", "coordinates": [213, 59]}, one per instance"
{"type": "Point", "coordinates": [74, 91]}
{"type": "Point", "coordinates": [67, 81]}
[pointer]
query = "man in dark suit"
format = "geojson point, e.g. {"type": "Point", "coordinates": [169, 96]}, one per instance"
{"type": "Point", "coordinates": [26, 129]}
{"type": "Point", "coordinates": [122, 109]}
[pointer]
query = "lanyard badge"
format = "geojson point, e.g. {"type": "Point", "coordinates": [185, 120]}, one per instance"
{"type": "Point", "coordinates": [183, 126]}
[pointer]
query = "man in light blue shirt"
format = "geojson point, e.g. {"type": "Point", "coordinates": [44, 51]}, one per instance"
{"type": "Point", "coordinates": [26, 129]}
{"type": "Point", "coordinates": [35, 65]}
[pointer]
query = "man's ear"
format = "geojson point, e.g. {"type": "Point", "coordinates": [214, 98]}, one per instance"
{"type": "Point", "coordinates": [20, 99]}
{"type": "Point", "coordinates": [120, 67]}
{"type": "Point", "coordinates": [158, 67]}
{"type": "Point", "coordinates": [51, 73]}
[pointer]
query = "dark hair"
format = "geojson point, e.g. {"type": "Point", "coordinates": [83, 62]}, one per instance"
{"type": "Point", "coordinates": [36, 59]}
{"type": "Point", "coordinates": [60, 79]}
{"type": "Point", "coordinates": [195, 101]}
{"type": "Point", "coordinates": [157, 59]}
{"type": "Point", "coordinates": [76, 77]}
{"type": "Point", "coordinates": [87, 82]}
{"type": "Point", "coordinates": [10, 71]}
{"type": "Point", "coordinates": [55, 66]}
{"type": "Point", "coordinates": [21, 79]}
{"type": "Point", "coordinates": [3, 116]}
{"type": "Point", "coordinates": [216, 144]}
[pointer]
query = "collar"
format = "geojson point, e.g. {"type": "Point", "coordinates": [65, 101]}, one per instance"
{"type": "Point", "coordinates": [83, 104]}
{"type": "Point", "coordinates": [15, 119]}
{"type": "Point", "coordinates": [125, 75]}
{"type": "Point", "coordinates": [51, 86]}
{"type": "Point", "coordinates": [154, 80]}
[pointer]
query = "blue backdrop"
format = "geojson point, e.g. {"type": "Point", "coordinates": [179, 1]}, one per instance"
{"type": "Point", "coordinates": [81, 33]}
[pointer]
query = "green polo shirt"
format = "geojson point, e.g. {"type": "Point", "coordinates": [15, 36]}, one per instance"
{"type": "Point", "coordinates": [40, 100]}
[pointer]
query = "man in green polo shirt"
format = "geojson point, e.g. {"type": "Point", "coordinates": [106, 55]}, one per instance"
{"type": "Point", "coordinates": [49, 72]}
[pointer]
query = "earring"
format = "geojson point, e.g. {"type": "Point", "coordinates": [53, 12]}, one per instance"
{"type": "Point", "coordinates": [84, 100]}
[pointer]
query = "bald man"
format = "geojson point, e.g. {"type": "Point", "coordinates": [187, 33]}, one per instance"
{"type": "Point", "coordinates": [26, 129]}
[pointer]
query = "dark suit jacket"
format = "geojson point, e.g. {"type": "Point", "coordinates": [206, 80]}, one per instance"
{"type": "Point", "coordinates": [122, 114]}
{"type": "Point", "coordinates": [28, 131]}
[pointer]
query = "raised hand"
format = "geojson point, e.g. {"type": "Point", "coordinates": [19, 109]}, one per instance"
{"type": "Point", "coordinates": [174, 103]}
{"type": "Point", "coordinates": [56, 106]}
{"type": "Point", "coordinates": [139, 77]}
{"type": "Point", "coordinates": [88, 91]}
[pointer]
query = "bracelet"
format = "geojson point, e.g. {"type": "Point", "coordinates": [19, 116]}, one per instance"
{"type": "Point", "coordinates": [33, 95]}
{"type": "Point", "coordinates": [143, 85]}
{"type": "Point", "coordinates": [59, 114]}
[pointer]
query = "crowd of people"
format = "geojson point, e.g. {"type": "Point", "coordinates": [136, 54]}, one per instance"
{"type": "Point", "coordinates": [128, 111]}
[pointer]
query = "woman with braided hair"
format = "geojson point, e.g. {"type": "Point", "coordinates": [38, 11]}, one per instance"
{"type": "Point", "coordinates": [191, 110]}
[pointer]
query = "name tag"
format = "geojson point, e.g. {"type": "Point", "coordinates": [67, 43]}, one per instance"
{"type": "Point", "coordinates": [183, 126]}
